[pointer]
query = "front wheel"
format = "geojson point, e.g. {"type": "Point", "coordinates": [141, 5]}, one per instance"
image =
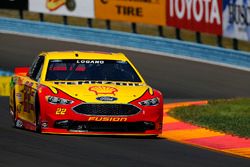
{"type": "Point", "coordinates": [38, 123]}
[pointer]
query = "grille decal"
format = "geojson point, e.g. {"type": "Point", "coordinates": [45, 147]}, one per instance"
{"type": "Point", "coordinates": [106, 109]}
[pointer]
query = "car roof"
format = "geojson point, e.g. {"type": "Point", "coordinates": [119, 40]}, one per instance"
{"type": "Point", "coordinates": [84, 55]}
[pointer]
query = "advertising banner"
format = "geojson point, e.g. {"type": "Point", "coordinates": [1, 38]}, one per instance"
{"type": "Point", "coordinates": [14, 4]}
{"type": "Point", "coordinates": [4, 86]}
{"type": "Point", "coordinates": [196, 15]}
{"type": "Point", "coordinates": [236, 19]}
{"type": "Point", "coordinates": [78, 8]}
{"type": "Point", "coordinates": [139, 11]}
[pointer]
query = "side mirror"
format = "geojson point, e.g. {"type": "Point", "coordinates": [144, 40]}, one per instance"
{"type": "Point", "coordinates": [23, 71]}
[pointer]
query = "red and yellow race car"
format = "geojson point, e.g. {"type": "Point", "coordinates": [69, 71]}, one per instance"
{"type": "Point", "coordinates": [84, 93]}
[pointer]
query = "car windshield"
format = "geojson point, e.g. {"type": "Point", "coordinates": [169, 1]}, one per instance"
{"type": "Point", "coordinates": [93, 70]}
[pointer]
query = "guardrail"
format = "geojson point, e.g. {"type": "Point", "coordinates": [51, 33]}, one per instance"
{"type": "Point", "coordinates": [5, 73]}
{"type": "Point", "coordinates": [220, 21]}
{"type": "Point", "coordinates": [169, 47]}
{"type": "Point", "coordinates": [157, 45]}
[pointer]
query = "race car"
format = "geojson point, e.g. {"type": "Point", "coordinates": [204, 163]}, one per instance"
{"type": "Point", "coordinates": [94, 93]}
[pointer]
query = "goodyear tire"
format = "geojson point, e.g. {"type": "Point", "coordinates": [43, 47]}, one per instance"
{"type": "Point", "coordinates": [14, 111]}
{"type": "Point", "coordinates": [71, 5]}
{"type": "Point", "coordinates": [15, 122]}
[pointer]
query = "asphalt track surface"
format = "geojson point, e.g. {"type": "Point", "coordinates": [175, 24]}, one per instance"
{"type": "Point", "coordinates": [177, 79]}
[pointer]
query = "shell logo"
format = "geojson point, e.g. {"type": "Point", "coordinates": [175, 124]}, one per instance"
{"type": "Point", "coordinates": [103, 90]}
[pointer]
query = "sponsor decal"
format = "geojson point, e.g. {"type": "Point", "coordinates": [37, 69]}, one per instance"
{"type": "Point", "coordinates": [19, 123]}
{"type": "Point", "coordinates": [142, 11]}
{"type": "Point", "coordinates": [61, 111]}
{"type": "Point", "coordinates": [103, 90]}
{"type": "Point", "coordinates": [25, 97]}
{"type": "Point", "coordinates": [55, 4]}
{"type": "Point", "coordinates": [44, 124]}
{"type": "Point", "coordinates": [196, 15]}
{"type": "Point", "coordinates": [19, 96]}
{"type": "Point", "coordinates": [90, 62]}
{"type": "Point", "coordinates": [236, 19]}
{"type": "Point", "coordinates": [108, 119]}
{"type": "Point", "coordinates": [106, 98]}
{"type": "Point", "coordinates": [77, 8]}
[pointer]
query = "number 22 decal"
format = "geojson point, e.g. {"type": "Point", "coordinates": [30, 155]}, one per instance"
{"type": "Point", "coordinates": [61, 111]}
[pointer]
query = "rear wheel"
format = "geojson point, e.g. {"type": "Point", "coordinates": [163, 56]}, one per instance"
{"type": "Point", "coordinates": [154, 137]}
{"type": "Point", "coordinates": [16, 123]}
{"type": "Point", "coordinates": [13, 110]}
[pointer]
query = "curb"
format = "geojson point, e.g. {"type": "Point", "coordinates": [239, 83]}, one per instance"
{"type": "Point", "coordinates": [185, 133]}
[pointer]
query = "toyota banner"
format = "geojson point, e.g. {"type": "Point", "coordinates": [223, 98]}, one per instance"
{"type": "Point", "coordinates": [195, 15]}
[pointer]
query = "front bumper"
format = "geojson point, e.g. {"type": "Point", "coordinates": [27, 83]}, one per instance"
{"type": "Point", "coordinates": [104, 128]}
{"type": "Point", "coordinates": [95, 118]}
{"type": "Point", "coordinates": [94, 127]}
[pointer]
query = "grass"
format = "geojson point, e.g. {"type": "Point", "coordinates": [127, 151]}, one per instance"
{"type": "Point", "coordinates": [230, 116]}
{"type": "Point", "coordinates": [169, 32]}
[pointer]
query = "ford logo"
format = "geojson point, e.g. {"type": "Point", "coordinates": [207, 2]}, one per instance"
{"type": "Point", "coordinates": [106, 98]}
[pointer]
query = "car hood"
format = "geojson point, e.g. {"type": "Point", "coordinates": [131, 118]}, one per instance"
{"type": "Point", "coordinates": [103, 93]}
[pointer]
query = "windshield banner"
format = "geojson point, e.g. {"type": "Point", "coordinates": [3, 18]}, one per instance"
{"type": "Point", "coordinates": [236, 19]}
{"type": "Point", "coordinates": [78, 8]}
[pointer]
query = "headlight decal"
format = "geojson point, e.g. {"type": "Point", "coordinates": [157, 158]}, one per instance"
{"type": "Point", "coordinates": [150, 102]}
{"type": "Point", "coordinates": [58, 100]}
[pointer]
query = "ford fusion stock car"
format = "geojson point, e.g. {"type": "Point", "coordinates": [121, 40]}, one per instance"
{"type": "Point", "coordinates": [75, 92]}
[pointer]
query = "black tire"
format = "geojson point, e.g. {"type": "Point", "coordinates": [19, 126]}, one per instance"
{"type": "Point", "coordinates": [14, 110]}
{"type": "Point", "coordinates": [154, 137]}
{"type": "Point", "coordinates": [71, 5]}
{"type": "Point", "coordinates": [15, 123]}
{"type": "Point", "coordinates": [38, 118]}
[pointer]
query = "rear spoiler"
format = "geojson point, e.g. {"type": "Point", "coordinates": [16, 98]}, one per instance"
{"type": "Point", "coordinates": [23, 71]}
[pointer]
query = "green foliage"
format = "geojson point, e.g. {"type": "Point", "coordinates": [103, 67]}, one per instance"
{"type": "Point", "coordinates": [230, 116]}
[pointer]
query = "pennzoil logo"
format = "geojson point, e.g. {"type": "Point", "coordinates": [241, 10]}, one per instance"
{"type": "Point", "coordinates": [108, 119]}
{"type": "Point", "coordinates": [105, 90]}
